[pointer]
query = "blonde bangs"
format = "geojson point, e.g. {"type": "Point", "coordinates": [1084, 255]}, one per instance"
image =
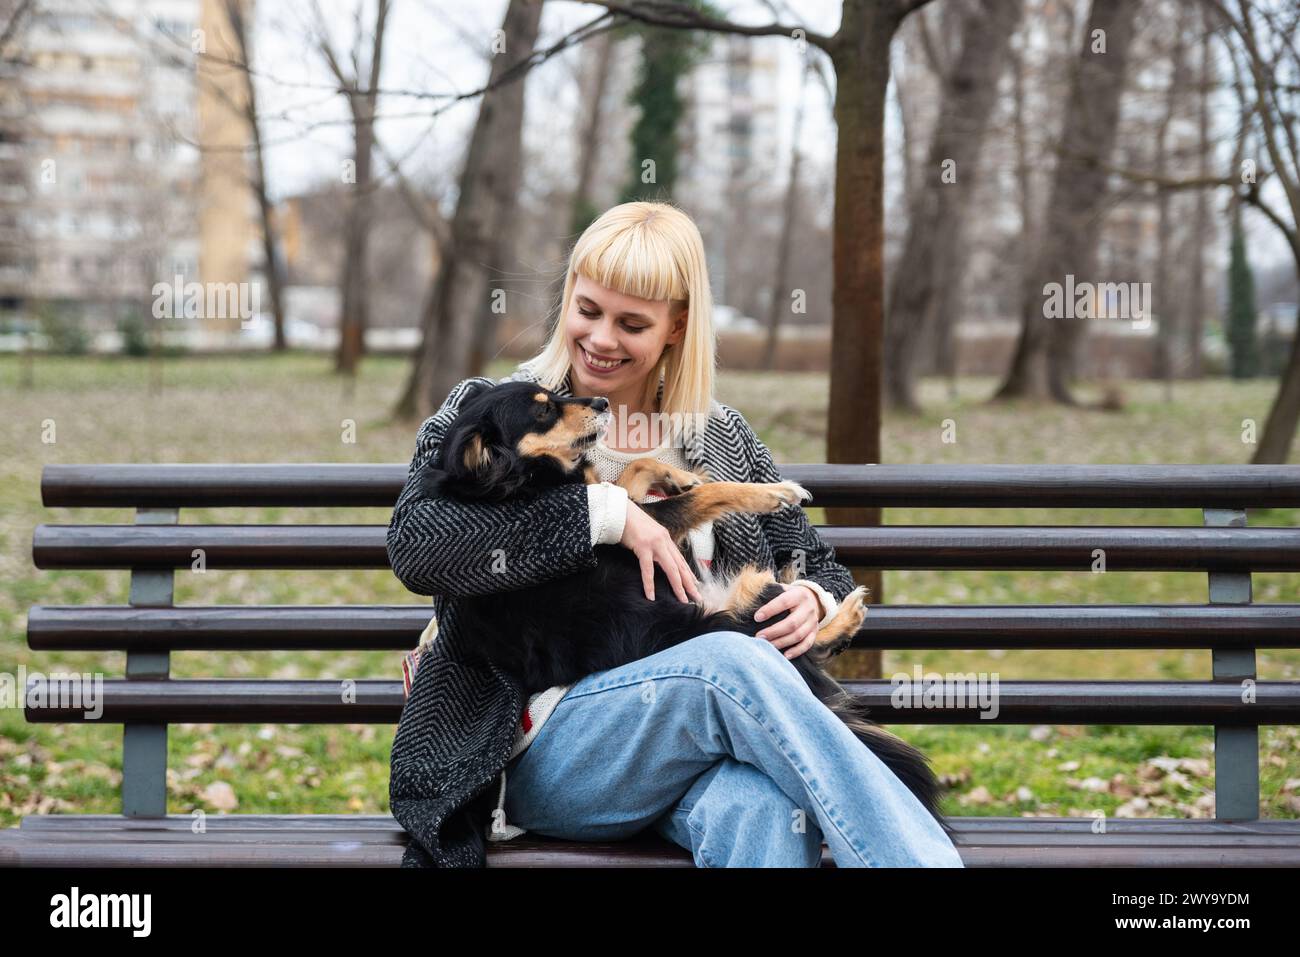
{"type": "Point", "coordinates": [635, 262]}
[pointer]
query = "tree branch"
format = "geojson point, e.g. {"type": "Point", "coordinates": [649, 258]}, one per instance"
{"type": "Point", "coordinates": [664, 13]}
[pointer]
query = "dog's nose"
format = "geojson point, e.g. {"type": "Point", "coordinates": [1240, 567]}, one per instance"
{"type": "Point", "coordinates": [600, 404]}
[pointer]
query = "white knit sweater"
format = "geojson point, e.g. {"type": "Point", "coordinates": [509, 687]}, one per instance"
{"type": "Point", "coordinates": [608, 506]}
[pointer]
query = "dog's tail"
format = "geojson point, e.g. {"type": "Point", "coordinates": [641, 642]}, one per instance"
{"type": "Point", "coordinates": [909, 764]}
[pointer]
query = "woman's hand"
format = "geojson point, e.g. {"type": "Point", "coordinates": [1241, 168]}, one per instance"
{"type": "Point", "coordinates": [652, 543]}
{"type": "Point", "coordinates": [798, 630]}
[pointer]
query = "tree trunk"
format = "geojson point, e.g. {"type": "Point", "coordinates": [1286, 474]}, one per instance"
{"type": "Point", "coordinates": [1046, 350]}
{"type": "Point", "coordinates": [1167, 325]}
{"type": "Point", "coordinates": [1195, 331]}
{"type": "Point", "coordinates": [488, 197]}
{"type": "Point", "coordinates": [785, 236]}
{"type": "Point", "coordinates": [354, 314]}
{"type": "Point", "coordinates": [274, 267]}
{"type": "Point", "coordinates": [1279, 428]}
{"type": "Point", "coordinates": [582, 207]}
{"type": "Point", "coordinates": [861, 58]}
{"type": "Point", "coordinates": [932, 250]}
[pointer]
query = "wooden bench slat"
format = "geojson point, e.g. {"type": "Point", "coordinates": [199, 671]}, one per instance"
{"type": "Point", "coordinates": [225, 836]}
{"type": "Point", "coordinates": [395, 835]}
{"type": "Point", "coordinates": [230, 627]}
{"type": "Point", "coordinates": [397, 627]}
{"type": "Point", "coordinates": [1001, 547]}
{"type": "Point", "coordinates": [187, 485]}
{"type": "Point", "coordinates": [1037, 842]}
{"type": "Point", "coordinates": [1190, 828]}
{"type": "Point", "coordinates": [215, 822]}
{"type": "Point", "coordinates": [378, 701]}
{"type": "Point", "coordinates": [1066, 547]}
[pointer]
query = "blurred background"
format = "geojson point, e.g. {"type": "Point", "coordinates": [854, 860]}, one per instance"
{"type": "Point", "coordinates": [949, 231]}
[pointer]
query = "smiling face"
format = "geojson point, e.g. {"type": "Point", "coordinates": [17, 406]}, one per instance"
{"type": "Point", "coordinates": [602, 324]}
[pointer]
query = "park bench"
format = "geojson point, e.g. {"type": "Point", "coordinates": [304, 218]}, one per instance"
{"type": "Point", "coordinates": [150, 629]}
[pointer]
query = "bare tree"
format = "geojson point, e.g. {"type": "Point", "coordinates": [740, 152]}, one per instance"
{"type": "Point", "coordinates": [487, 199]}
{"type": "Point", "coordinates": [1044, 353]}
{"type": "Point", "coordinates": [1199, 302]}
{"type": "Point", "coordinates": [1167, 330]}
{"type": "Point", "coordinates": [1266, 35]}
{"type": "Point", "coordinates": [785, 236]}
{"type": "Point", "coordinates": [922, 297]}
{"type": "Point", "coordinates": [273, 269]}
{"type": "Point", "coordinates": [359, 83]}
{"type": "Point", "coordinates": [589, 146]}
{"type": "Point", "coordinates": [1262, 38]}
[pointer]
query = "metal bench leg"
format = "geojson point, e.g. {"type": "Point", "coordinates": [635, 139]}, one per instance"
{"type": "Point", "coordinates": [144, 744]}
{"type": "Point", "coordinates": [1236, 749]}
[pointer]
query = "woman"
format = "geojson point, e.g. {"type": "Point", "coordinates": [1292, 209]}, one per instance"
{"type": "Point", "coordinates": [716, 743]}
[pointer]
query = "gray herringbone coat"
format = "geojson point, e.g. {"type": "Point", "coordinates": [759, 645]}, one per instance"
{"type": "Point", "coordinates": [458, 726]}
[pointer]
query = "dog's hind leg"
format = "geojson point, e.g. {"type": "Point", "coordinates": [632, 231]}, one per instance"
{"type": "Point", "coordinates": [837, 634]}
{"type": "Point", "coordinates": [753, 587]}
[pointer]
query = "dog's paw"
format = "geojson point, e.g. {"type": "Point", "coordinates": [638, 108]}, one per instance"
{"type": "Point", "coordinates": [856, 601]}
{"type": "Point", "coordinates": [679, 482]}
{"type": "Point", "coordinates": [668, 478]}
{"type": "Point", "coordinates": [790, 493]}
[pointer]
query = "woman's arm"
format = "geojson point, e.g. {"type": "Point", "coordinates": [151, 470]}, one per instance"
{"type": "Point", "coordinates": [446, 547]}
{"type": "Point", "coordinates": [789, 532]}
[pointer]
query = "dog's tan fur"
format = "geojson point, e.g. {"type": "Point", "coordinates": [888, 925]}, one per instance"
{"type": "Point", "coordinates": [564, 440]}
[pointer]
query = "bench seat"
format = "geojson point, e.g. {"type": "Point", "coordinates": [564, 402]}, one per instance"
{"type": "Point", "coordinates": [323, 840]}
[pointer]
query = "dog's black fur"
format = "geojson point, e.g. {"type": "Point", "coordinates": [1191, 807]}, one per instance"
{"type": "Point", "coordinates": [562, 630]}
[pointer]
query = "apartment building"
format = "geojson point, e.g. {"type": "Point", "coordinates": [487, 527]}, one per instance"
{"type": "Point", "coordinates": [128, 153]}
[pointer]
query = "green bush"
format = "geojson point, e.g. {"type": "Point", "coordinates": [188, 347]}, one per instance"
{"type": "Point", "coordinates": [63, 329]}
{"type": "Point", "coordinates": [135, 334]}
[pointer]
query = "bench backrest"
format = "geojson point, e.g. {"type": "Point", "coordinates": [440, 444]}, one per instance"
{"type": "Point", "coordinates": [149, 628]}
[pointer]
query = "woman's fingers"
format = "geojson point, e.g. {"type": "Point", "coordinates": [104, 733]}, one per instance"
{"type": "Point", "coordinates": [674, 572]}
{"type": "Point", "coordinates": [794, 627]}
{"type": "Point", "coordinates": [781, 633]}
{"type": "Point", "coordinates": [798, 641]}
{"type": "Point", "coordinates": [688, 576]}
{"type": "Point", "coordinates": [789, 630]}
{"type": "Point", "coordinates": [787, 599]}
{"type": "Point", "coordinates": [675, 568]}
{"type": "Point", "coordinates": [803, 646]}
{"type": "Point", "coordinates": [647, 573]}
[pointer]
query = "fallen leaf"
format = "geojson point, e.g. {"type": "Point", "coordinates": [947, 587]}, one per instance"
{"type": "Point", "coordinates": [221, 796]}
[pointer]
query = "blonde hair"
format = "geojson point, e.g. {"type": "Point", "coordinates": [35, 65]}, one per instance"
{"type": "Point", "coordinates": [650, 251]}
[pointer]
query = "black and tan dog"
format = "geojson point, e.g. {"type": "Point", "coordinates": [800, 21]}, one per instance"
{"type": "Point", "coordinates": [513, 440]}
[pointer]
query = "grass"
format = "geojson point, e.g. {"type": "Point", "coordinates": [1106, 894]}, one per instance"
{"type": "Point", "coordinates": [291, 408]}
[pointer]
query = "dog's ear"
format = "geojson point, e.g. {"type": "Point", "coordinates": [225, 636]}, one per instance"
{"type": "Point", "coordinates": [480, 466]}
{"type": "Point", "coordinates": [478, 456]}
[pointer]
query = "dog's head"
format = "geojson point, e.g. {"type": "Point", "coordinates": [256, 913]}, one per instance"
{"type": "Point", "coordinates": [512, 437]}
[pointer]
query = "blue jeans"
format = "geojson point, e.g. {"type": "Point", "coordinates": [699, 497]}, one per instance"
{"type": "Point", "coordinates": [719, 745]}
